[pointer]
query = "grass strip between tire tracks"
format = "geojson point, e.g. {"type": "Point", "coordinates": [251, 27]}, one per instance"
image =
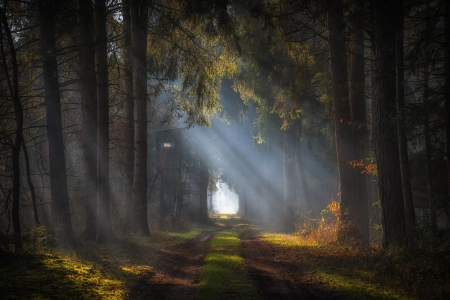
{"type": "Point", "coordinates": [224, 275]}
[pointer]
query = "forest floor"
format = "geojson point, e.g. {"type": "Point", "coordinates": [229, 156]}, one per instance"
{"type": "Point", "coordinates": [233, 260]}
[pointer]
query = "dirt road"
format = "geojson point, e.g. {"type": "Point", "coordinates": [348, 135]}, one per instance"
{"type": "Point", "coordinates": [176, 272]}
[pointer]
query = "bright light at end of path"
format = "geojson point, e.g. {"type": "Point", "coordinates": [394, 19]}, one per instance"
{"type": "Point", "coordinates": [225, 201]}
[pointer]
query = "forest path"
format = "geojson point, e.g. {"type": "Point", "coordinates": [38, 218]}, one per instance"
{"type": "Point", "coordinates": [175, 271]}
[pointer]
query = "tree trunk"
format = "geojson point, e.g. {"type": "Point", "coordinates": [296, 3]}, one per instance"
{"type": "Point", "coordinates": [30, 183]}
{"type": "Point", "coordinates": [104, 229]}
{"type": "Point", "coordinates": [18, 114]}
{"type": "Point", "coordinates": [288, 172]}
{"type": "Point", "coordinates": [203, 192]}
{"type": "Point", "coordinates": [306, 196]}
{"type": "Point", "coordinates": [428, 153]}
{"type": "Point", "coordinates": [358, 116]}
{"type": "Point", "coordinates": [61, 218]}
{"type": "Point", "coordinates": [385, 132]}
{"type": "Point", "coordinates": [88, 83]}
{"type": "Point", "coordinates": [139, 17]}
{"type": "Point", "coordinates": [342, 122]}
{"type": "Point", "coordinates": [447, 99]}
{"type": "Point", "coordinates": [129, 105]}
{"type": "Point", "coordinates": [401, 126]}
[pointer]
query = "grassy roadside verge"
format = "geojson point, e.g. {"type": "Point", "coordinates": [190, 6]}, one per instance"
{"type": "Point", "coordinates": [360, 274]}
{"type": "Point", "coordinates": [93, 271]}
{"type": "Point", "coordinates": [224, 275]}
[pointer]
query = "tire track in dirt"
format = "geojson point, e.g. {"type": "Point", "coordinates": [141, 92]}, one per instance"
{"type": "Point", "coordinates": [175, 271]}
{"type": "Point", "coordinates": [276, 274]}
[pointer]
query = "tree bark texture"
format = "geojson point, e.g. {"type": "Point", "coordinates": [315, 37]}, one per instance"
{"type": "Point", "coordinates": [342, 122]}
{"type": "Point", "coordinates": [104, 229]}
{"type": "Point", "coordinates": [129, 104]}
{"type": "Point", "coordinates": [428, 152]}
{"type": "Point", "coordinates": [30, 183]}
{"type": "Point", "coordinates": [385, 131]}
{"type": "Point", "coordinates": [88, 83]}
{"type": "Point", "coordinates": [18, 114]}
{"type": "Point", "coordinates": [358, 116]}
{"type": "Point", "coordinates": [447, 99]}
{"type": "Point", "coordinates": [401, 125]}
{"type": "Point", "coordinates": [139, 17]}
{"type": "Point", "coordinates": [61, 218]}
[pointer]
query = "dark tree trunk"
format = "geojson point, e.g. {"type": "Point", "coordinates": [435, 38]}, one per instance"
{"type": "Point", "coordinates": [401, 126]}
{"type": "Point", "coordinates": [428, 153]}
{"type": "Point", "coordinates": [139, 17]}
{"type": "Point", "coordinates": [18, 114]}
{"type": "Point", "coordinates": [61, 218]}
{"type": "Point", "coordinates": [447, 99]}
{"type": "Point", "coordinates": [342, 122]}
{"type": "Point", "coordinates": [204, 179]}
{"type": "Point", "coordinates": [129, 105]}
{"type": "Point", "coordinates": [358, 115]}
{"type": "Point", "coordinates": [88, 83]}
{"type": "Point", "coordinates": [385, 132]}
{"type": "Point", "coordinates": [104, 229]}
{"type": "Point", "coordinates": [30, 183]}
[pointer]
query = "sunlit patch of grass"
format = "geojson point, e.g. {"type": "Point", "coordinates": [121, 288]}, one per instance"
{"type": "Point", "coordinates": [357, 285]}
{"type": "Point", "coordinates": [92, 271]}
{"type": "Point", "coordinates": [348, 270]}
{"type": "Point", "coordinates": [137, 270]}
{"type": "Point", "coordinates": [51, 276]}
{"type": "Point", "coordinates": [287, 240]}
{"type": "Point", "coordinates": [224, 275]}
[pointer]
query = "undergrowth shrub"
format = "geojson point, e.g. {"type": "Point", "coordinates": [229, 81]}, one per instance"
{"type": "Point", "coordinates": [38, 240]}
{"type": "Point", "coordinates": [322, 230]}
{"type": "Point", "coordinates": [35, 241]}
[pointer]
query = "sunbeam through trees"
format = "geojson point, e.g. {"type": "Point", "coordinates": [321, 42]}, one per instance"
{"type": "Point", "coordinates": [288, 125]}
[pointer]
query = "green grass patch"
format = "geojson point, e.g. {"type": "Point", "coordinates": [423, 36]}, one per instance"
{"type": "Point", "coordinates": [92, 271]}
{"type": "Point", "coordinates": [224, 275]}
{"type": "Point", "coordinates": [351, 272]}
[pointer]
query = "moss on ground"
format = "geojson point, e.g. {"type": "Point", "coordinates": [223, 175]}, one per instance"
{"type": "Point", "coordinates": [224, 275]}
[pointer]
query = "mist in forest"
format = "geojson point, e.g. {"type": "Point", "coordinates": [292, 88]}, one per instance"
{"type": "Point", "coordinates": [224, 201]}
{"type": "Point", "coordinates": [251, 175]}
